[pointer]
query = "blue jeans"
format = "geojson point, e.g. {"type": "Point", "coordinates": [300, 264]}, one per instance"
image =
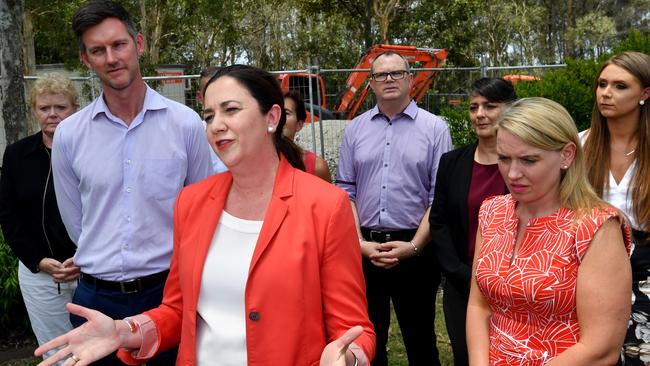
{"type": "Point", "coordinates": [118, 306]}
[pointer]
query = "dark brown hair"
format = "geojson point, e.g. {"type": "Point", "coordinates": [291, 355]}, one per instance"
{"type": "Point", "coordinates": [301, 112]}
{"type": "Point", "coordinates": [265, 89]}
{"type": "Point", "coordinates": [94, 12]}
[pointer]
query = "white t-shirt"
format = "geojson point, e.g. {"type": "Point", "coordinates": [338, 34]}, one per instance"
{"type": "Point", "coordinates": [617, 194]}
{"type": "Point", "coordinates": [221, 311]}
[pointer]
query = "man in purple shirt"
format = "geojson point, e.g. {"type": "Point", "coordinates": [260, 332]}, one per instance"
{"type": "Point", "coordinates": [388, 163]}
{"type": "Point", "coordinates": [119, 164]}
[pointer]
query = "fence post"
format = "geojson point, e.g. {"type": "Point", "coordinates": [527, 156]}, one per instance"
{"type": "Point", "coordinates": [92, 85]}
{"type": "Point", "coordinates": [320, 105]}
{"type": "Point", "coordinates": [483, 66]}
{"type": "Point", "coordinates": [311, 105]}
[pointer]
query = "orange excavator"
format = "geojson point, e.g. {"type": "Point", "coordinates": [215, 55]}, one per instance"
{"type": "Point", "coordinates": [356, 88]}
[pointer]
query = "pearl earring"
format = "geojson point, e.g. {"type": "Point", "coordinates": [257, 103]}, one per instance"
{"type": "Point", "coordinates": [565, 167]}
{"type": "Point", "coordinates": [270, 129]}
{"type": "Point", "coordinates": [641, 102]}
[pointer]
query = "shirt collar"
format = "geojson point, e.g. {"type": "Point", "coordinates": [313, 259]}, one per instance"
{"type": "Point", "coordinates": [411, 111]}
{"type": "Point", "coordinates": [152, 101]}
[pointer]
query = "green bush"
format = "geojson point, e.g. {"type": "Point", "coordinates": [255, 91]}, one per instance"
{"type": "Point", "coordinates": [12, 310]}
{"type": "Point", "coordinates": [635, 41]}
{"type": "Point", "coordinates": [572, 87]}
{"type": "Point", "coordinates": [460, 127]}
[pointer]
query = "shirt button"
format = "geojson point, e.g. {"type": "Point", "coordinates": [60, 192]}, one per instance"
{"type": "Point", "coordinates": [383, 187]}
{"type": "Point", "coordinates": [128, 218]}
{"type": "Point", "coordinates": [128, 161]}
{"type": "Point", "coordinates": [383, 209]}
{"type": "Point", "coordinates": [128, 190]}
{"type": "Point", "coordinates": [385, 165]}
{"type": "Point", "coordinates": [254, 316]}
{"type": "Point", "coordinates": [388, 143]}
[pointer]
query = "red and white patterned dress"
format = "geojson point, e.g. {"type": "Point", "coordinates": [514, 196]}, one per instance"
{"type": "Point", "coordinates": [533, 300]}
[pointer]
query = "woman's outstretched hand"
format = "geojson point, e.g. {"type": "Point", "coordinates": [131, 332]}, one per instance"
{"type": "Point", "coordinates": [96, 338]}
{"type": "Point", "coordinates": [334, 354]}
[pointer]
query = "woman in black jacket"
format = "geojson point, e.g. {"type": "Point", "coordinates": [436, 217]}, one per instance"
{"type": "Point", "coordinates": [466, 176]}
{"type": "Point", "coordinates": [29, 215]}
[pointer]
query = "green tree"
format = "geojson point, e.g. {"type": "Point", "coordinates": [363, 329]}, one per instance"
{"type": "Point", "coordinates": [592, 35]}
{"type": "Point", "coordinates": [53, 39]}
{"type": "Point", "coordinates": [635, 41]}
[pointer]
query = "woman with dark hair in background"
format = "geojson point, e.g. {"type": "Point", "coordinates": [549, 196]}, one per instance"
{"type": "Point", "coordinates": [266, 267]}
{"type": "Point", "coordinates": [617, 147]}
{"type": "Point", "coordinates": [294, 106]}
{"type": "Point", "coordinates": [29, 214]}
{"type": "Point", "coordinates": [466, 176]}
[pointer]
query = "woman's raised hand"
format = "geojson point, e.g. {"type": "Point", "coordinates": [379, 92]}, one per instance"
{"type": "Point", "coordinates": [96, 338]}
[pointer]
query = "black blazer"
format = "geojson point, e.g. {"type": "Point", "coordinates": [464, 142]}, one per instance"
{"type": "Point", "coordinates": [29, 215]}
{"type": "Point", "coordinates": [448, 219]}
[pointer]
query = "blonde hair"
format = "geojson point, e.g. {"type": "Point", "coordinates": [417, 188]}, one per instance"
{"type": "Point", "coordinates": [546, 125]}
{"type": "Point", "coordinates": [597, 144]}
{"type": "Point", "coordinates": [53, 83]}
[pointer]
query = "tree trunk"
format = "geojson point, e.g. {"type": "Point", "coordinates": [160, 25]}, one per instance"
{"type": "Point", "coordinates": [384, 13]}
{"type": "Point", "coordinates": [154, 43]}
{"type": "Point", "coordinates": [151, 27]}
{"type": "Point", "coordinates": [12, 93]}
{"type": "Point", "coordinates": [569, 47]}
{"type": "Point", "coordinates": [29, 53]}
{"type": "Point", "coordinates": [367, 25]}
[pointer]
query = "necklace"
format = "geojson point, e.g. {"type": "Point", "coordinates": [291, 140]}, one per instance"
{"type": "Point", "coordinates": [631, 152]}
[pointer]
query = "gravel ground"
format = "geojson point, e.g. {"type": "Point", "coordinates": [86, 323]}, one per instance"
{"type": "Point", "coordinates": [332, 135]}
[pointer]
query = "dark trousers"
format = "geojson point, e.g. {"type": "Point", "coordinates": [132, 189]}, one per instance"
{"type": "Point", "coordinates": [412, 286]}
{"type": "Point", "coordinates": [118, 306]}
{"type": "Point", "coordinates": [454, 302]}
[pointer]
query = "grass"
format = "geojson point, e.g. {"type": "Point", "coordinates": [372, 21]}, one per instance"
{"type": "Point", "coordinates": [396, 351]}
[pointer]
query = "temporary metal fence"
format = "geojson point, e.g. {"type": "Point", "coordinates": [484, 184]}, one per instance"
{"type": "Point", "coordinates": [450, 86]}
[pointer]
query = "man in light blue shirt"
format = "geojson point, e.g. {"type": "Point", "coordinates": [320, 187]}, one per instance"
{"type": "Point", "coordinates": [387, 164]}
{"type": "Point", "coordinates": [118, 166]}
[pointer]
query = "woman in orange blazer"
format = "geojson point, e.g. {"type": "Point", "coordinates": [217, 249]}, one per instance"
{"type": "Point", "coordinates": [303, 293]}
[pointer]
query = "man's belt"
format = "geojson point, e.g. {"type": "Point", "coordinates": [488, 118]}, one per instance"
{"type": "Point", "coordinates": [129, 286]}
{"type": "Point", "coordinates": [382, 236]}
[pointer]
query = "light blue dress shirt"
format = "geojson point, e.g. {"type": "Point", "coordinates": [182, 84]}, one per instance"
{"type": "Point", "coordinates": [388, 166]}
{"type": "Point", "coordinates": [116, 184]}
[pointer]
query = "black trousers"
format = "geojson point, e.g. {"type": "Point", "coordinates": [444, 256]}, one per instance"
{"type": "Point", "coordinates": [454, 302]}
{"type": "Point", "coordinates": [412, 286]}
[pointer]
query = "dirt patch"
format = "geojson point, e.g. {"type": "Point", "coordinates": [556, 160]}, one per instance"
{"type": "Point", "coordinates": [17, 347]}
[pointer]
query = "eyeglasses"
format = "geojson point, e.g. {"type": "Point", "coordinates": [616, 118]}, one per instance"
{"type": "Point", "coordinates": [395, 75]}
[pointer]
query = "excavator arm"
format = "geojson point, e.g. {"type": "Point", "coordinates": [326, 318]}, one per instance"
{"type": "Point", "coordinates": [356, 87]}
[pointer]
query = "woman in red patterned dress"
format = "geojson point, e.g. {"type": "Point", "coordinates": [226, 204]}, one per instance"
{"type": "Point", "coordinates": [551, 278]}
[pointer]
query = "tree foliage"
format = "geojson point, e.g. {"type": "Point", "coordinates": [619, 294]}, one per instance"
{"type": "Point", "coordinates": [278, 34]}
{"type": "Point", "coordinates": [573, 86]}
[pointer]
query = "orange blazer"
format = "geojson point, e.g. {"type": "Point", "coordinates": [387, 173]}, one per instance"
{"type": "Point", "coordinates": [305, 283]}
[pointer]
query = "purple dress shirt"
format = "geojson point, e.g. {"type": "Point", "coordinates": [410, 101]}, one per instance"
{"type": "Point", "coordinates": [116, 184]}
{"type": "Point", "coordinates": [388, 167]}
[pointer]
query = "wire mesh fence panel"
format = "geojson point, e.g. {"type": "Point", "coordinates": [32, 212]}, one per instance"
{"type": "Point", "coordinates": [322, 92]}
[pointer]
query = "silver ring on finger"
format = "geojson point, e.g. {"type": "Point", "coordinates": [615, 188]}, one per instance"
{"type": "Point", "coordinates": [74, 358]}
